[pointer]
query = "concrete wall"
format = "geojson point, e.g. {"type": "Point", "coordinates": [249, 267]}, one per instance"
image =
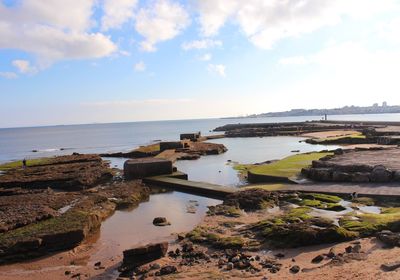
{"type": "Point", "coordinates": [145, 167]}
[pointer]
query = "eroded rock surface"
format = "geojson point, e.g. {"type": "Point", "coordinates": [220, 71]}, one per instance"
{"type": "Point", "coordinates": [73, 172]}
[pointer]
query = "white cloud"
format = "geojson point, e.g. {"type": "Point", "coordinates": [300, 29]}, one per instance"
{"type": "Point", "coordinates": [205, 57]}
{"type": "Point", "coordinates": [53, 30]}
{"type": "Point", "coordinates": [8, 75]}
{"type": "Point", "coordinates": [217, 68]}
{"type": "Point", "coordinates": [293, 60]}
{"type": "Point", "coordinates": [124, 53]}
{"type": "Point", "coordinates": [201, 44]}
{"type": "Point", "coordinates": [24, 66]}
{"type": "Point", "coordinates": [116, 13]}
{"type": "Point", "coordinates": [267, 22]}
{"type": "Point", "coordinates": [347, 73]}
{"type": "Point", "coordinates": [390, 30]}
{"type": "Point", "coordinates": [161, 21]}
{"type": "Point", "coordinates": [140, 66]}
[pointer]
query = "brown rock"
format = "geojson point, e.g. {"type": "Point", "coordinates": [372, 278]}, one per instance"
{"type": "Point", "coordinates": [141, 255]}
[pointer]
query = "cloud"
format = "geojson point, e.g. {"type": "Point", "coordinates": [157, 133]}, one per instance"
{"type": "Point", "coordinates": [52, 31]}
{"type": "Point", "coordinates": [390, 30]}
{"type": "Point", "coordinates": [217, 68]}
{"type": "Point", "coordinates": [265, 23]}
{"type": "Point", "coordinates": [8, 75]}
{"type": "Point", "coordinates": [205, 57]}
{"type": "Point", "coordinates": [140, 66]}
{"type": "Point", "coordinates": [116, 13]}
{"type": "Point", "coordinates": [24, 66]}
{"type": "Point", "coordinates": [294, 60]}
{"type": "Point", "coordinates": [161, 21]}
{"type": "Point", "coordinates": [201, 44]}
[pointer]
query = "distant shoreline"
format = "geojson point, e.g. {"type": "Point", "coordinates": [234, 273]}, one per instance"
{"type": "Point", "coordinates": [347, 110]}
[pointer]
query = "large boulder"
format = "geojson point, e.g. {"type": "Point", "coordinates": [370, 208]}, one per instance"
{"type": "Point", "coordinates": [380, 174]}
{"type": "Point", "coordinates": [146, 167]}
{"type": "Point", "coordinates": [138, 256]}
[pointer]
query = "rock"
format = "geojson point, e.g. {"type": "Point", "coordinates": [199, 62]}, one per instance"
{"type": "Point", "coordinates": [180, 237]}
{"type": "Point", "coordinates": [349, 249]}
{"type": "Point", "coordinates": [357, 248]}
{"type": "Point", "coordinates": [380, 174]}
{"type": "Point", "coordinates": [280, 255]}
{"type": "Point", "coordinates": [187, 247]}
{"type": "Point", "coordinates": [360, 177]}
{"type": "Point", "coordinates": [97, 264]}
{"type": "Point", "coordinates": [396, 176]}
{"type": "Point", "coordinates": [221, 262]}
{"type": "Point", "coordinates": [155, 266]}
{"type": "Point", "coordinates": [229, 266]}
{"type": "Point", "coordinates": [318, 259]}
{"type": "Point", "coordinates": [389, 238]}
{"type": "Point", "coordinates": [67, 272]}
{"type": "Point", "coordinates": [161, 221]}
{"type": "Point", "coordinates": [168, 269]}
{"type": "Point", "coordinates": [235, 259]}
{"type": "Point", "coordinates": [338, 176]}
{"type": "Point", "coordinates": [390, 266]}
{"type": "Point", "coordinates": [141, 255]}
{"type": "Point", "coordinates": [295, 269]}
{"type": "Point", "coordinates": [332, 253]}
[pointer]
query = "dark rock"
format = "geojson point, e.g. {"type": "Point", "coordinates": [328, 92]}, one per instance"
{"type": "Point", "coordinates": [390, 266]}
{"type": "Point", "coordinates": [168, 269]}
{"type": "Point", "coordinates": [97, 264]}
{"type": "Point", "coordinates": [161, 221]}
{"type": "Point", "coordinates": [332, 253]}
{"type": "Point", "coordinates": [229, 266]}
{"type": "Point", "coordinates": [318, 259]}
{"type": "Point", "coordinates": [360, 177]}
{"type": "Point", "coordinates": [155, 266]}
{"type": "Point", "coordinates": [338, 176]}
{"type": "Point", "coordinates": [349, 249]}
{"type": "Point", "coordinates": [180, 237]}
{"type": "Point", "coordinates": [380, 174]}
{"type": "Point", "coordinates": [280, 255]}
{"type": "Point", "coordinates": [389, 238]}
{"type": "Point", "coordinates": [295, 269]}
{"type": "Point", "coordinates": [141, 255]}
{"type": "Point", "coordinates": [187, 247]}
{"type": "Point", "coordinates": [67, 272]}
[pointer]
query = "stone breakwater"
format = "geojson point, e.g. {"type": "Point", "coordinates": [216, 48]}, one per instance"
{"type": "Point", "coordinates": [357, 166]}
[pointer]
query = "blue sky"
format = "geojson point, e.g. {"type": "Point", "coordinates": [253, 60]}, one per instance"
{"type": "Point", "coordinates": [64, 62]}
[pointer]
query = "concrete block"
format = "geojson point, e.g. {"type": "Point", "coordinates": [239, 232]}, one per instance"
{"type": "Point", "coordinates": [146, 167]}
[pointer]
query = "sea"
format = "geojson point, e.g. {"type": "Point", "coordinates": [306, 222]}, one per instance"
{"type": "Point", "coordinates": [18, 143]}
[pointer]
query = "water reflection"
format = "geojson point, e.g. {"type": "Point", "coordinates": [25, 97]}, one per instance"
{"type": "Point", "coordinates": [130, 228]}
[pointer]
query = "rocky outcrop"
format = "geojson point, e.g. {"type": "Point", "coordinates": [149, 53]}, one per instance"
{"type": "Point", "coordinates": [74, 172]}
{"type": "Point", "coordinates": [391, 239]}
{"type": "Point", "coordinates": [49, 221]}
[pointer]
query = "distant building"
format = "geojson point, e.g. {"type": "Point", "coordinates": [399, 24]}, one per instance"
{"type": "Point", "coordinates": [375, 105]}
{"type": "Point", "coordinates": [384, 104]}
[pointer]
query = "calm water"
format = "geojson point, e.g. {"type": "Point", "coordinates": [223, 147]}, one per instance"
{"type": "Point", "coordinates": [218, 170]}
{"type": "Point", "coordinates": [17, 143]}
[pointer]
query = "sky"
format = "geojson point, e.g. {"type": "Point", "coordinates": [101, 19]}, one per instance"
{"type": "Point", "coordinates": [94, 61]}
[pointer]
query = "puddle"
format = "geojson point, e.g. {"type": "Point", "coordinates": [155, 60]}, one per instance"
{"type": "Point", "coordinates": [370, 209]}
{"type": "Point", "coordinates": [126, 229]}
